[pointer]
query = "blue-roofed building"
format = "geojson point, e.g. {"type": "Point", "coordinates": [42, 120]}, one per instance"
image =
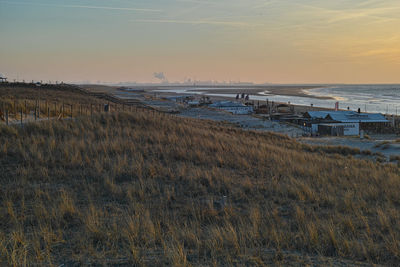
{"type": "Point", "coordinates": [357, 117]}
{"type": "Point", "coordinates": [236, 108]}
{"type": "Point", "coordinates": [322, 114]}
{"type": "Point", "coordinates": [3, 78]}
{"type": "Point", "coordinates": [349, 119]}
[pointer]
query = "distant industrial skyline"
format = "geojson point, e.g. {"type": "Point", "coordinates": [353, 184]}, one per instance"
{"type": "Point", "coordinates": [275, 41]}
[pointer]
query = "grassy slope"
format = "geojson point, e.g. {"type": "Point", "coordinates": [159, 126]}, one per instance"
{"type": "Point", "coordinates": [146, 189]}
{"type": "Point", "coordinates": [9, 93]}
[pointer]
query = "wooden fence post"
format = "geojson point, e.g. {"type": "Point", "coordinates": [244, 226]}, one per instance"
{"type": "Point", "coordinates": [48, 113]}
{"type": "Point", "coordinates": [71, 111]}
{"type": "Point", "coordinates": [35, 113]}
{"type": "Point", "coordinates": [62, 110]}
{"type": "Point", "coordinates": [21, 116]}
{"type": "Point", "coordinates": [26, 110]}
{"type": "Point", "coordinates": [38, 110]}
{"type": "Point", "coordinates": [91, 110]}
{"type": "Point", "coordinates": [7, 117]}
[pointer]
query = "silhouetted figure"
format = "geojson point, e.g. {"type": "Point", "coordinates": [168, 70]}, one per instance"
{"type": "Point", "coordinates": [359, 110]}
{"type": "Point", "coordinates": [247, 97]}
{"type": "Point", "coordinates": [237, 96]}
{"type": "Point", "coordinates": [242, 95]}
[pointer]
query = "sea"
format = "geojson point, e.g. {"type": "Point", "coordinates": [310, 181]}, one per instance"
{"type": "Point", "coordinates": [368, 98]}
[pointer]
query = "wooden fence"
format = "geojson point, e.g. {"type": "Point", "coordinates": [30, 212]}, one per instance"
{"type": "Point", "coordinates": [20, 111]}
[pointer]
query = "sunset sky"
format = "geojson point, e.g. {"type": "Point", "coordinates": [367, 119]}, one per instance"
{"type": "Point", "coordinates": [277, 41]}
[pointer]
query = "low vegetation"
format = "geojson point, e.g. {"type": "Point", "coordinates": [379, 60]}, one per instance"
{"type": "Point", "coordinates": [46, 101]}
{"type": "Point", "coordinates": [151, 189]}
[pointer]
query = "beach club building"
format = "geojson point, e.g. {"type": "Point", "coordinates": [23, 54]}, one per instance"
{"type": "Point", "coordinates": [236, 108]}
{"type": "Point", "coordinates": [342, 123]}
{"type": "Point", "coordinates": [3, 79]}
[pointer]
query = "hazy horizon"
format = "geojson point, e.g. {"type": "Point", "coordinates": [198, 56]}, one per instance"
{"type": "Point", "coordinates": [278, 42]}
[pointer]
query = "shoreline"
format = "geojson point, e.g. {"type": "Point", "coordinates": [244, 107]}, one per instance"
{"type": "Point", "coordinates": [298, 91]}
{"type": "Point", "coordinates": [289, 91]}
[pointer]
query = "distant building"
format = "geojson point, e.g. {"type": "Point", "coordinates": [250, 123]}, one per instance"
{"type": "Point", "coordinates": [342, 122]}
{"type": "Point", "coordinates": [345, 116]}
{"type": "Point", "coordinates": [180, 98]}
{"type": "Point", "coordinates": [2, 78]}
{"type": "Point", "coordinates": [233, 107]}
{"type": "Point", "coordinates": [339, 129]}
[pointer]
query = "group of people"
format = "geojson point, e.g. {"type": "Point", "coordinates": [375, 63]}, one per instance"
{"type": "Point", "coordinates": [243, 96]}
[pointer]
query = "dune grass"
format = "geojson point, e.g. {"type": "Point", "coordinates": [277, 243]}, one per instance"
{"type": "Point", "coordinates": [48, 101]}
{"type": "Point", "coordinates": [147, 189]}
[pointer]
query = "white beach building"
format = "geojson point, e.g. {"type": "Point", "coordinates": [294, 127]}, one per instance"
{"type": "Point", "coordinates": [236, 108]}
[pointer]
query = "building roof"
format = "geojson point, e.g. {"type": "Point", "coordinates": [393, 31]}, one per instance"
{"type": "Point", "coordinates": [357, 117]}
{"type": "Point", "coordinates": [224, 104]}
{"type": "Point", "coordinates": [346, 116]}
{"type": "Point", "coordinates": [323, 114]}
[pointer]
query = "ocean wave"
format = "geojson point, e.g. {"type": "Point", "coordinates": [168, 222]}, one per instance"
{"type": "Point", "coordinates": [323, 93]}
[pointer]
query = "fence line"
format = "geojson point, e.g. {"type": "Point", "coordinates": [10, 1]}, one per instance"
{"type": "Point", "coordinates": [29, 110]}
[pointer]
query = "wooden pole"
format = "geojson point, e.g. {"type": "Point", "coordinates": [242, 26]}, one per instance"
{"type": "Point", "coordinates": [71, 111]}
{"type": "Point", "coordinates": [48, 113]}
{"type": "Point", "coordinates": [38, 110]}
{"type": "Point", "coordinates": [62, 110]}
{"type": "Point", "coordinates": [21, 116]}
{"type": "Point", "coordinates": [91, 110]}
{"type": "Point", "coordinates": [7, 117]}
{"type": "Point", "coordinates": [26, 109]}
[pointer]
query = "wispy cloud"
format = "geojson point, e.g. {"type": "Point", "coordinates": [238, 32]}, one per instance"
{"type": "Point", "coordinates": [332, 16]}
{"type": "Point", "coordinates": [84, 6]}
{"type": "Point", "coordinates": [199, 22]}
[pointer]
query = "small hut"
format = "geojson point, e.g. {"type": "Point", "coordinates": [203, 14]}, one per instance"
{"type": "Point", "coordinates": [3, 79]}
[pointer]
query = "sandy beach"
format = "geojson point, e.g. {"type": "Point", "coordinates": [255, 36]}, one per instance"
{"type": "Point", "coordinates": [261, 90]}
{"type": "Point", "coordinates": [162, 91]}
{"type": "Point", "coordinates": [287, 90]}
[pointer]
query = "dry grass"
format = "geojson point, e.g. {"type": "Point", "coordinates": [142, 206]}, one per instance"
{"type": "Point", "coordinates": [147, 189]}
{"type": "Point", "coordinates": [50, 100]}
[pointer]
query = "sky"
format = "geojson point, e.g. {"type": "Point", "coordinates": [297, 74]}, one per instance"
{"type": "Point", "coordinates": [275, 41]}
